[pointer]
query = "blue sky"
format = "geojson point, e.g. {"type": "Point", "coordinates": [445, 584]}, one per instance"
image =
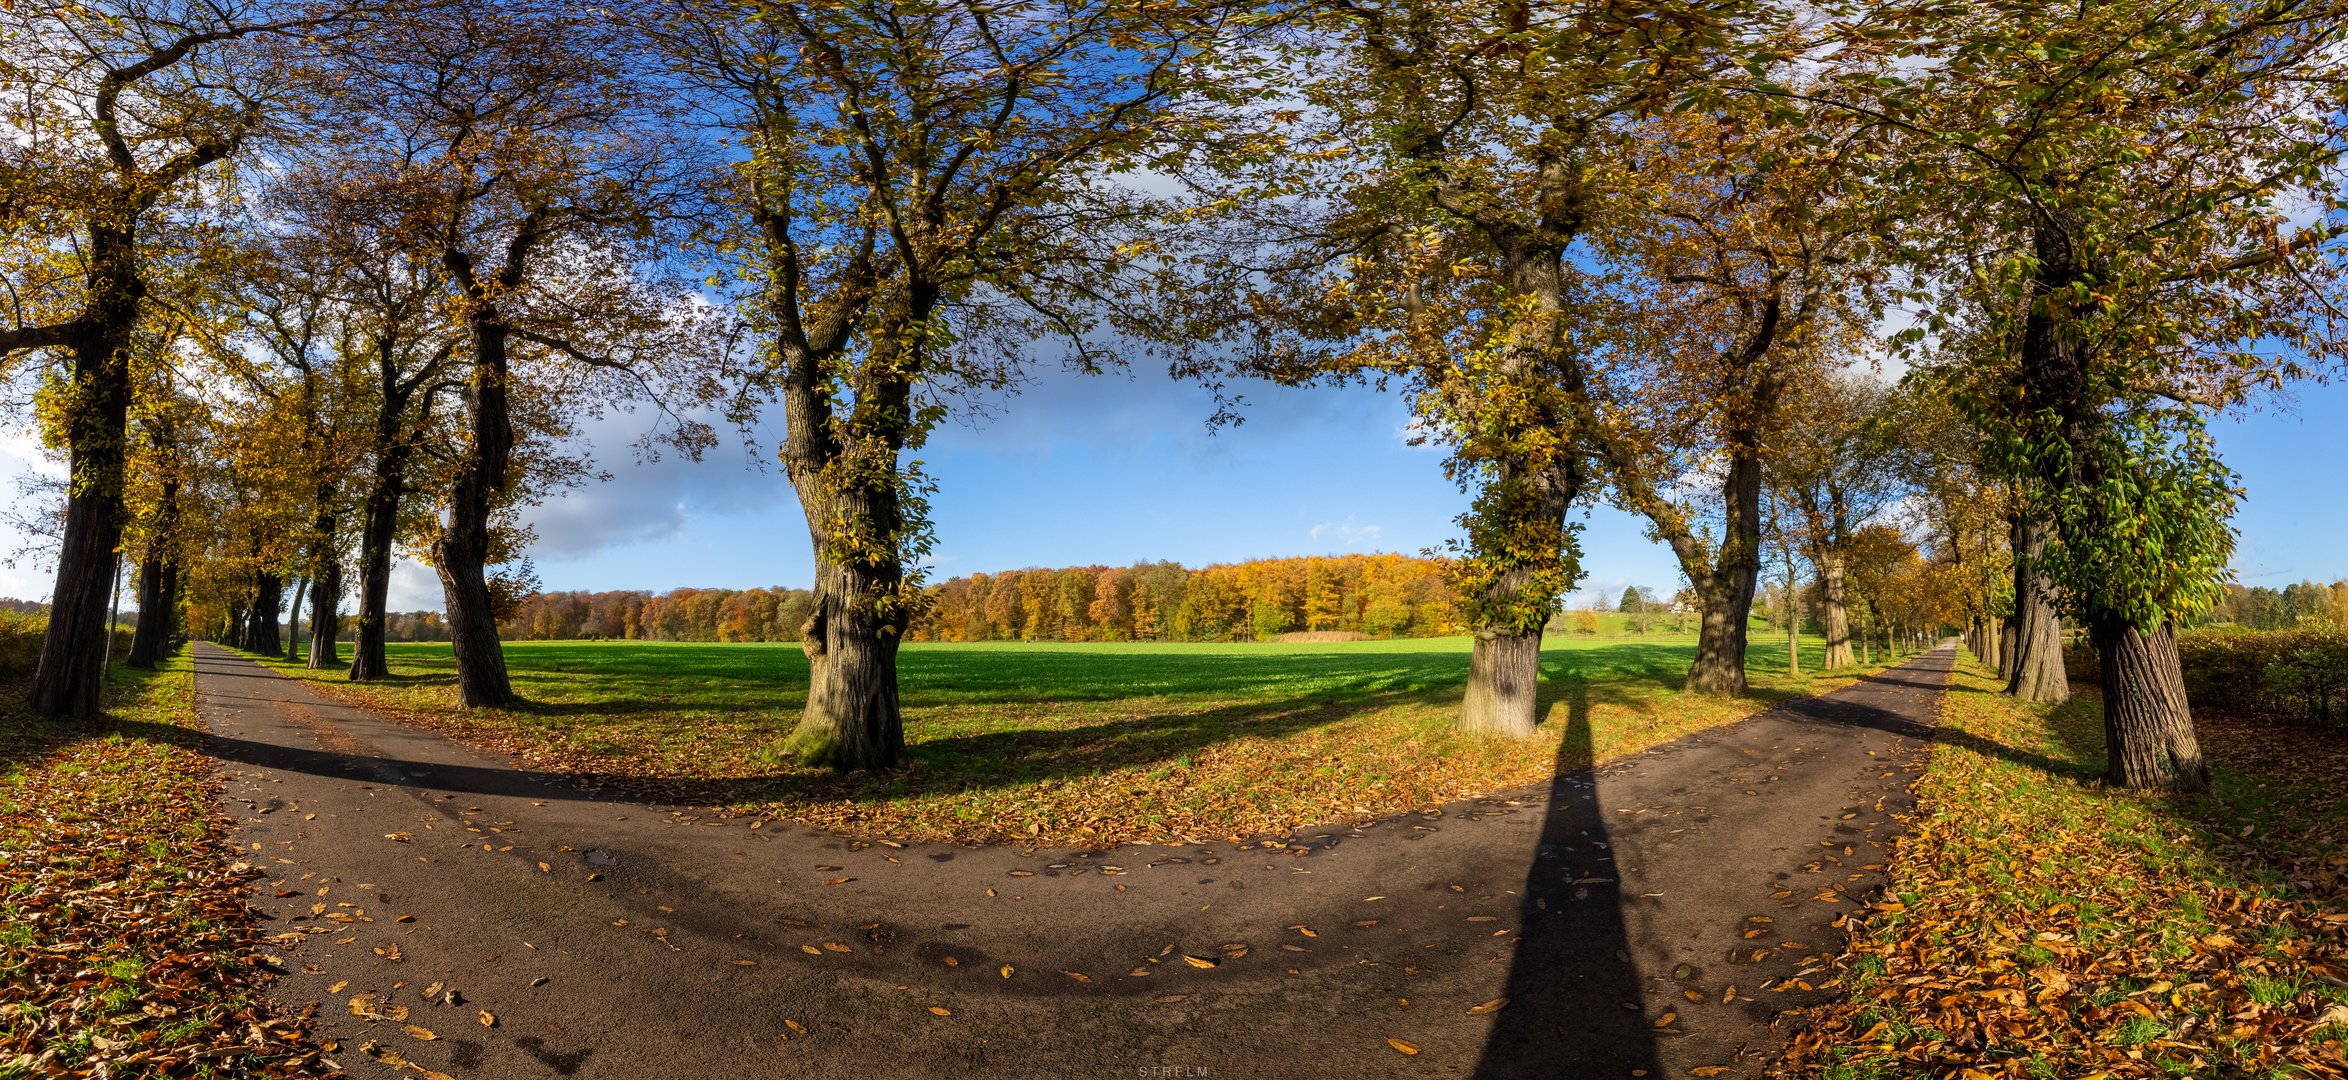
{"type": "Point", "coordinates": [1117, 469]}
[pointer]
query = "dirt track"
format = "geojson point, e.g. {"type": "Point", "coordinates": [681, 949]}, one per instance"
{"type": "Point", "coordinates": [615, 939]}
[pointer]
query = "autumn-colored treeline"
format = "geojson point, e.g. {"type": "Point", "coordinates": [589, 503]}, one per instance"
{"type": "Point", "coordinates": [1373, 595]}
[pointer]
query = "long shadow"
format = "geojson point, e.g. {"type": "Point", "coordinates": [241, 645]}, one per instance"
{"type": "Point", "coordinates": [974, 762]}
{"type": "Point", "coordinates": [1572, 971]}
{"type": "Point", "coordinates": [1847, 712]}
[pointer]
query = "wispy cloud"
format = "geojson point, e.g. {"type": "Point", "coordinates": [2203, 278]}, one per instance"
{"type": "Point", "coordinates": [1347, 533]}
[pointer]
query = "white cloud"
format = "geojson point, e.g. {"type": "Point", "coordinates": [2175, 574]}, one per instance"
{"type": "Point", "coordinates": [414, 587]}
{"type": "Point", "coordinates": [649, 501]}
{"type": "Point", "coordinates": [1347, 533]}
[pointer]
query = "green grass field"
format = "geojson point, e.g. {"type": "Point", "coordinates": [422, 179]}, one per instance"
{"type": "Point", "coordinates": [1082, 743]}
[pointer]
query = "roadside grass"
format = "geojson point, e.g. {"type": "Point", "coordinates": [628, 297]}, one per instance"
{"type": "Point", "coordinates": [125, 940]}
{"type": "Point", "coordinates": [1086, 744]}
{"type": "Point", "coordinates": [2039, 924]}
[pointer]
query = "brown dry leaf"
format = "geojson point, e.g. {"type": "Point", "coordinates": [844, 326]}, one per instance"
{"type": "Point", "coordinates": [1077, 975]}
{"type": "Point", "coordinates": [1198, 961]}
{"type": "Point", "coordinates": [1708, 1071]}
{"type": "Point", "coordinates": [1665, 1020]}
{"type": "Point", "coordinates": [399, 836]}
{"type": "Point", "coordinates": [420, 1034]}
{"type": "Point", "coordinates": [839, 881]}
{"type": "Point", "coordinates": [834, 946]}
{"type": "Point", "coordinates": [488, 1019]}
{"type": "Point", "coordinates": [1305, 930]}
{"type": "Point", "coordinates": [1405, 1047]}
{"type": "Point", "coordinates": [1494, 1005]}
{"type": "Point", "coordinates": [939, 1011]}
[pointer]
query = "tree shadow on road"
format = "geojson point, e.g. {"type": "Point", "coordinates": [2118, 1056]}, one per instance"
{"type": "Point", "coordinates": [975, 762]}
{"type": "Point", "coordinates": [1572, 971]}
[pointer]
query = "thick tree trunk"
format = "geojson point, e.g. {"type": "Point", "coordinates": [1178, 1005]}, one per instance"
{"type": "Point", "coordinates": [2037, 663]}
{"type": "Point", "coordinates": [67, 680]}
{"type": "Point", "coordinates": [1834, 593]}
{"type": "Point", "coordinates": [1504, 681]}
{"type": "Point", "coordinates": [261, 626]}
{"type": "Point", "coordinates": [325, 614]}
{"type": "Point", "coordinates": [158, 585]}
{"type": "Point", "coordinates": [233, 635]}
{"type": "Point", "coordinates": [853, 719]}
{"type": "Point", "coordinates": [1727, 590]}
{"type": "Point", "coordinates": [293, 621]}
{"type": "Point", "coordinates": [461, 552]}
{"type": "Point", "coordinates": [376, 534]}
{"type": "Point", "coordinates": [375, 537]}
{"type": "Point", "coordinates": [158, 611]}
{"type": "Point", "coordinates": [2148, 727]}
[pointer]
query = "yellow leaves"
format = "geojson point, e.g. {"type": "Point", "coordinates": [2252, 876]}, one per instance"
{"type": "Point", "coordinates": [1198, 961]}
{"type": "Point", "coordinates": [1400, 1045]}
{"type": "Point", "coordinates": [1076, 975]}
{"type": "Point", "coordinates": [421, 1034]}
{"type": "Point", "coordinates": [1007, 970]}
{"type": "Point", "coordinates": [1492, 1006]}
{"type": "Point", "coordinates": [488, 1019]}
{"type": "Point", "coordinates": [938, 1010]}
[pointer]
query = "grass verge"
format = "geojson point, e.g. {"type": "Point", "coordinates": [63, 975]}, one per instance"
{"type": "Point", "coordinates": [1075, 744]}
{"type": "Point", "coordinates": [2039, 924]}
{"type": "Point", "coordinates": [124, 935]}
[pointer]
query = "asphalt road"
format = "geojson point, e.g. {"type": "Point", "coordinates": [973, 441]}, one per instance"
{"type": "Point", "coordinates": [1641, 920]}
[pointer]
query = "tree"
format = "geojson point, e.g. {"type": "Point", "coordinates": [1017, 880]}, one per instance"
{"type": "Point", "coordinates": [1842, 459]}
{"type": "Point", "coordinates": [128, 108]}
{"type": "Point", "coordinates": [1418, 225]}
{"type": "Point", "coordinates": [1634, 600]}
{"type": "Point", "coordinates": [530, 166]}
{"type": "Point", "coordinates": [925, 189]}
{"type": "Point", "coordinates": [2116, 179]}
{"type": "Point", "coordinates": [1747, 277]}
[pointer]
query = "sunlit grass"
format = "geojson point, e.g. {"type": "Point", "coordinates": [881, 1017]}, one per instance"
{"type": "Point", "coordinates": [1085, 743]}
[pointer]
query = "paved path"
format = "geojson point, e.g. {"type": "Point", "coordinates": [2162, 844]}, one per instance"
{"type": "Point", "coordinates": [1613, 911]}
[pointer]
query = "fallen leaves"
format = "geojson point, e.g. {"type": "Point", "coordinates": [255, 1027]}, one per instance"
{"type": "Point", "coordinates": [1492, 1006]}
{"type": "Point", "coordinates": [124, 902]}
{"type": "Point", "coordinates": [2035, 916]}
{"type": "Point", "coordinates": [1399, 1044]}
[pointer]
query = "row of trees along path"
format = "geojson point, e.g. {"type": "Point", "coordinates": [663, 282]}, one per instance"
{"type": "Point", "coordinates": [308, 281]}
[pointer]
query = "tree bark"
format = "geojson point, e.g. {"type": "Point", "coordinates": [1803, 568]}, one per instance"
{"type": "Point", "coordinates": [2147, 724]}
{"type": "Point", "coordinates": [158, 585]}
{"type": "Point", "coordinates": [261, 627]}
{"type": "Point", "coordinates": [293, 621]}
{"type": "Point", "coordinates": [67, 680]}
{"type": "Point", "coordinates": [379, 526]}
{"type": "Point", "coordinates": [325, 613]}
{"type": "Point", "coordinates": [853, 718]}
{"type": "Point", "coordinates": [2037, 660]}
{"type": "Point", "coordinates": [461, 551]}
{"type": "Point", "coordinates": [1726, 588]}
{"type": "Point", "coordinates": [158, 610]}
{"type": "Point", "coordinates": [1504, 681]}
{"type": "Point", "coordinates": [1834, 594]}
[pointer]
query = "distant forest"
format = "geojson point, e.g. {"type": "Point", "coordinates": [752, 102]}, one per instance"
{"type": "Point", "coordinates": [1373, 595]}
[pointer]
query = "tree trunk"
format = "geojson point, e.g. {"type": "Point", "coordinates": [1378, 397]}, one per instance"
{"type": "Point", "coordinates": [2147, 725]}
{"type": "Point", "coordinates": [376, 533]}
{"type": "Point", "coordinates": [1834, 594]}
{"type": "Point", "coordinates": [325, 614]}
{"type": "Point", "coordinates": [1504, 681]}
{"type": "Point", "coordinates": [461, 552]}
{"type": "Point", "coordinates": [293, 621]}
{"type": "Point", "coordinates": [67, 680]}
{"type": "Point", "coordinates": [158, 585]}
{"type": "Point", "coordinates": [261, 627]}
{"type": "Point", "coordinates": [158, 604]}
{"type": "Point", "coordinates": [1727, 591]}
{"type": "Point", "coordinates": [853, 719]}
{"type": "Point", "coordinates": [2037, 663]}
